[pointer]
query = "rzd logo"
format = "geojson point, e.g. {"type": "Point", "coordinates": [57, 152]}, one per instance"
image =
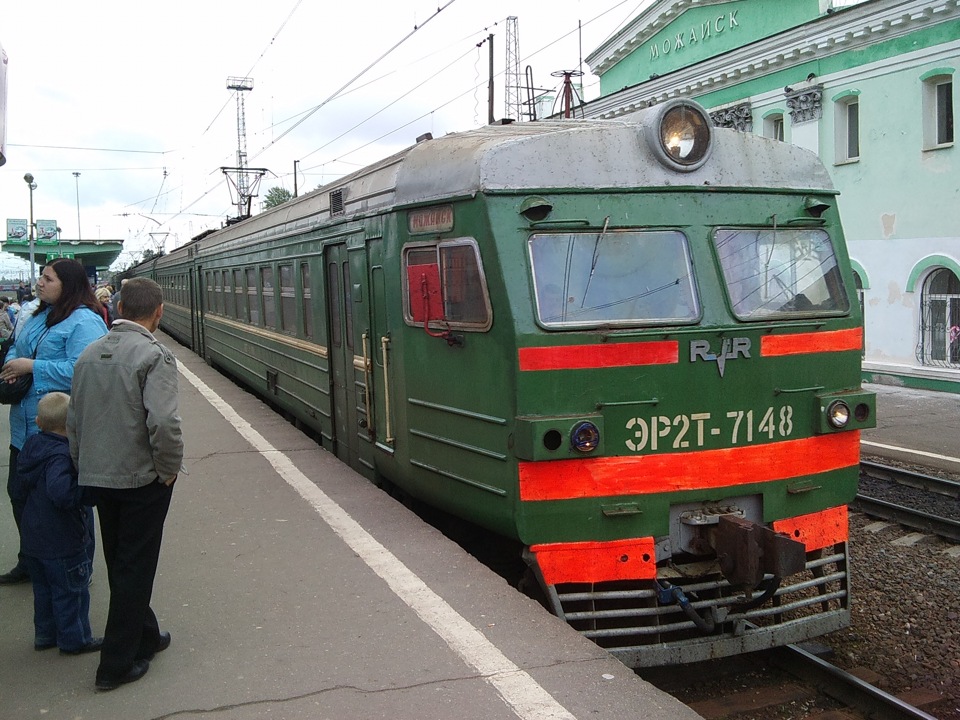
{"type": "Point", "coordinates": [729, 350]}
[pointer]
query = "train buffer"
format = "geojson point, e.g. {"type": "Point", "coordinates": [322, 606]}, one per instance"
{"type": "Point", "coordinates": [293, 588]}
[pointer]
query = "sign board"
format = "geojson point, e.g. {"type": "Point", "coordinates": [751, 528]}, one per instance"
{"type": "Point", "coordinates": [55, 254]}
{"type": "Point", "coordinates": [47, 232]}
{"type": "Point", "coordinates": [17, 232]}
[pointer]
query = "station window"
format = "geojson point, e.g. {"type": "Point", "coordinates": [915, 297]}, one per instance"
{"type": "Point", "coordinates": [253, 305]}
{"type": "Point", "coordinates": [288, 300]}
{"type": "Point", "coordinates": [307, 300]}
{"type": "Point", "coordinates": [847, 128]}
{"type": "Point", "coordinates": [773, 126]}
{"type": "Point", "coordinates": [445, 286]}
{"type": "Point", "coordinates": [940, 320]}
{"type": "Point", "coordinates": [269, 297]}
{"type": "Point", "coordinates": [937, 108]}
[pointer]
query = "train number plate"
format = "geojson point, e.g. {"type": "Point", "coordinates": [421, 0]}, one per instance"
{"type": "Point", "coordinates": [698, 430]}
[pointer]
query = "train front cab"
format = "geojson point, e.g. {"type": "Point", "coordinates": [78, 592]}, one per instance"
{"type": "Point", "coordinates": [689, 408]}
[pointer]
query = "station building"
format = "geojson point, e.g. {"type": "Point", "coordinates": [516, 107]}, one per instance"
{"type": "Point", "coordinates": [868, 85]}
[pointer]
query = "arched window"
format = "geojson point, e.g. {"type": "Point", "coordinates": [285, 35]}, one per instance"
{"type": "Point", "coordinates": [940, 320]}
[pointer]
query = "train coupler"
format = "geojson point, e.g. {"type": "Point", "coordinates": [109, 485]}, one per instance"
{"type": "Point", "coordinates": [749, 551]}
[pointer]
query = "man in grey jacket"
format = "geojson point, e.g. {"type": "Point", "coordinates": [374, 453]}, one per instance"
{"type": "Point", "coordinates": [125, 439]}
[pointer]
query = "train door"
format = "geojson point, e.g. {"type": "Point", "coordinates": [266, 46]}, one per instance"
{"type": "Point", "coordinates": [346, 288]}
{"type": "Point", "coordinates": [198, 300]}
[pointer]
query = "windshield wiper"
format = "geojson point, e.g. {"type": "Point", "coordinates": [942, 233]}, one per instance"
{"type": "Point", "coordinates": [596, 256]}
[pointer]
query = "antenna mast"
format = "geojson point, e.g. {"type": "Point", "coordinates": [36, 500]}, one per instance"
{"type": "Point", "coordinates": [512, 103]}
{"type": "Point", "coordinates": [246, 189]}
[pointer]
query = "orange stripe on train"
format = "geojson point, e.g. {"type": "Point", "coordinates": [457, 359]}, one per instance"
{"type": "Point", "coordinates": [817, 530]}
{"type": "Point", "coordinates": [673, 472]}
{"type": "Point", "coordinates": [581, 562]}
{"type": "Point", "coordinates": [582, 357]}
{"type": "Point", "coordinates": [815, 342]}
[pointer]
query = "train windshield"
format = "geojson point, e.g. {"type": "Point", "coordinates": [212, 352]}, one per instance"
{"type": "Point", "coordinates": [780, 273]}
{"type": "Point", "coordinates": [594, 279]}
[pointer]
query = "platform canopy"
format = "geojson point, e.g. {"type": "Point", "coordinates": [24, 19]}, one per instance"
{"type": "Point", "coordinates": [99, 254]}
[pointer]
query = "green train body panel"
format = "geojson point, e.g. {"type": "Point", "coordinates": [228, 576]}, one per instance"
{"type": "Point", "coordinates": [427, 317]}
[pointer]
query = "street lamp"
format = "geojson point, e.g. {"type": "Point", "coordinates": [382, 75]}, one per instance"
{"type": "Point", "coordinates": [76, 177]}
{"type": "Point", "coordinates": [28, 179]}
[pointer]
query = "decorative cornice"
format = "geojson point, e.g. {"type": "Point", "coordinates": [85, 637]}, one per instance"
{"type": "Point", "coordinates": [805, 105]}
{"type": "Point", "coordinates": [738, 117]}
{"type": "Point", "coordinates": [854, 28]}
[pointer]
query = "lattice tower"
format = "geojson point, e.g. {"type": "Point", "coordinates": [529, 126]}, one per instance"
{"type": "Point", "coordinates": [513, 107]}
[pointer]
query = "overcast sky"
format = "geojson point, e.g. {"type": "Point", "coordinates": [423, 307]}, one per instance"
{"type": "Point", "coordinates": [133, 96]}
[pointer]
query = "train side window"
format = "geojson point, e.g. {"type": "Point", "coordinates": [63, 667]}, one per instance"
{"type": "Point", "coordinates": [622, 278]}
{"type": "Point", "coordinates": [218, 291]}
{"type": "Point", "coordinates": [307, 300]}
{"type": "Point", "coordinates": [446, 286]}
{"type": "Point", "coordinates": [348, 303]}
{"type": "Point", "coordinates": [253, 305]}
{"type": "Point", "coordinates": [269, 298]}
{"type": "Point", "coordinates": [229, 306]}
{"type": "Point", "coordinates": [240, 294]}
{"type": "Point", "coordinates": [780, 273]}
{"type": "Point", "coordinates": [333, 302]}
{"type": "Point", "coordinates": [288, 300]}
{"type": "Point", "coordinates": [209, 287]}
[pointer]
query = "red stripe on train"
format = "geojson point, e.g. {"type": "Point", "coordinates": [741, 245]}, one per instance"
{"type": "Point", "coordinates": [815, 342]}
{"type": "Point", "coordinates": [673, 472]}
{"type": "Point", "coordinates": [582, 357]}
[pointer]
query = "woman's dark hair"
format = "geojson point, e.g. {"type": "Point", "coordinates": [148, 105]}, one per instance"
{"type": "Point", "coordinates": [75, 291]}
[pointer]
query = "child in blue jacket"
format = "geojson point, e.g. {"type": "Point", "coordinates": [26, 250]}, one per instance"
{"type": "Point", "coordinates": [56, 534]}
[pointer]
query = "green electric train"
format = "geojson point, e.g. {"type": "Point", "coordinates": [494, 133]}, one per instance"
{"type": "Point", "coordinates": [631, 345]}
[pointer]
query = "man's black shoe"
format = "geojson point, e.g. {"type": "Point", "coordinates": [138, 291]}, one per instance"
{"type": "Point", "coordinates": [14, 577]}
{"type": "Point", "coordinates": [136, 672]}
{"type": "Point", "coordinates": [93, 646]}
{"type": "Point", "coordinates": [161, 646]}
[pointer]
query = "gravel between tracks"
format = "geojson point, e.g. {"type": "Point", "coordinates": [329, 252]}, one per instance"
{"type": "Point", "coordinates": [905, 614]}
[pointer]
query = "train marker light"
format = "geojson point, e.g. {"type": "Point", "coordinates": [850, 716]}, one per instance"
{"type": "Point", "coordinates": [838, 414]}
{"type": "Point", "coordinates": [585, 437]}
{"type": "Point", "coordinates": [680, 136]}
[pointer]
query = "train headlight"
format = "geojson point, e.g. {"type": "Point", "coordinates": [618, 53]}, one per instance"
{"type": "Point", "coordinates": [838, 414]}
{"type": "Point", "coordinates": [585, 437]}
{"type": "Point", "coordinates": [680, 135]}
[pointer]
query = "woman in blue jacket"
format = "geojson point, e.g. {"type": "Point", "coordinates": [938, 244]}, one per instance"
{"type": "Point", "coordinates": [48, 343]}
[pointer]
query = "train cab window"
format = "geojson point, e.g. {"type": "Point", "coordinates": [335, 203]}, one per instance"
{"type": "Point", "coordinates": [253, 305]}
{"type": "Point", "coordinates": [612, 278]}
{"type": "Point", "coordinates": [269, 298]}
{"type": "Point", "coordinates": [445, 286]}
{"type": "Point", "coordinates": [774, 272]}
{"type": "Point", "coordinates": [288, 300]}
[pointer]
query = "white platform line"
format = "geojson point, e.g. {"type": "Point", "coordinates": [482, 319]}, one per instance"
{"type": "Point", "coordinates": [936, 456]}
{"type": "Point", "coordinates": [519, 690]}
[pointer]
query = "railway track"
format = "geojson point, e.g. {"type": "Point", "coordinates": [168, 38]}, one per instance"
{"type": "Point", "coordinates": [907, 497]}
{"type": "Point", "coordinates": [788, 682]}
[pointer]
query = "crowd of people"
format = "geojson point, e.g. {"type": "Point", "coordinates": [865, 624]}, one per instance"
{"type": "Point", "coordinates": [86, 377]}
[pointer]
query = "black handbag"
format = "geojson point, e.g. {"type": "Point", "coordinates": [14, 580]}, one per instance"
{"type": "Point", "coordinates": [13, 392]}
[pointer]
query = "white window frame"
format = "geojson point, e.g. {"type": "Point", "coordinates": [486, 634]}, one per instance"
{"type": "Point", "coordinates": [935, 109]}
{"type": "Point", "coordinates": [843, 110]}
{"type": "Point", "coordinates": [773, 126]}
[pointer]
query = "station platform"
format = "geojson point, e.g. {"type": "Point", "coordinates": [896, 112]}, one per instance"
{"type": "Point", "coordinates": [917, 427]}
{"type": "Point", "coordinates": [293, 588]}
